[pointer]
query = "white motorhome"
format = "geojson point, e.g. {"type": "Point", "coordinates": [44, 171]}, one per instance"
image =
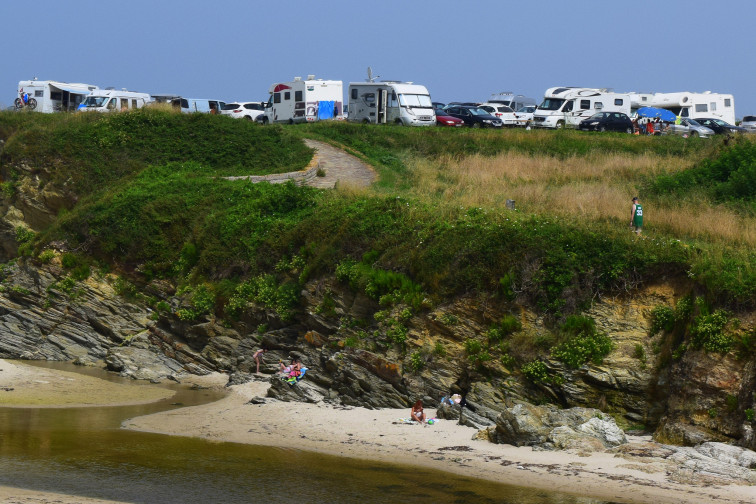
{"type": "Point", "coordinates": [306, 100]}
{"type": "Point", "coordinates": [567, 106]}
{"type": "Point", "coordinates": [391, 102]}
{"type": "Point", "coordinates": [111, 100]}
{"type": "Point", "coordinates": [53, 96]}
{"type": "Point", "coordinates": [689, 105]}
{"type": "Point", "coordinates": [511, 100]}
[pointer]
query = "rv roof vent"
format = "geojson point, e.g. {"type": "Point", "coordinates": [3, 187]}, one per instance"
{"type": "Point", "coordinates": [310, 77]}
{"type": "Point", "coordinates": [707, 92]}
{"type": "Point", "coordinates": [110, 88]}
{"type": "Point", "coordinates": [409, 82]}
{"type": "Point", "coordinates": [124, 89]}
{"type": "Point", "coordinates": [296, 79]}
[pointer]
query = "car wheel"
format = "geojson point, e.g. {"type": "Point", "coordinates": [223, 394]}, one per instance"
{"type": "Point", "coordinates": [264, 121]}
{"type": "Point", "coordinates": [291, 121]}
{"type": "Point", "coordinates": [365, 121]}
{"type": "Point", "coordinates": [475, 125]}
{"type": "Point", "coordinates": [560, 125]}
{"type": "Point", "coordinates": [629, 131]}
{"type": "Point", "coordinates": [248, 118]}
{"type": "Point", "coordinates": [602, 128]}
{"type": "Point", "coordinates": [693, 134]}
{"type": "Point", "coordinates": [399, 122]}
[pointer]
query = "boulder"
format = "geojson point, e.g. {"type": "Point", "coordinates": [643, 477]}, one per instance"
{"type": "Point", "coordinates": [141, 364]}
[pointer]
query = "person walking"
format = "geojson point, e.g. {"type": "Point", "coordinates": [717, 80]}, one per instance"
{"type": "Point", "coordinates": [258, 357]}
{"type": "Point", "coordinates": [636, 218]}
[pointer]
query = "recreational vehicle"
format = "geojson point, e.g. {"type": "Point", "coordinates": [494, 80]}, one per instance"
{"type": "Point", "coordinates": [111, 100]}
{"type": "Point", "coordinates": [567, 106]}
{"type": "Point", "coordinates": [304, 101]}
{"type": "Point", "coordinates": [690, 105]}
{"type": "Point", "coordinates": [52, 96]}
{"type": "Point", "coordinates": [511, 100]}
{"type": "Point", "coordinates": [390, 102]}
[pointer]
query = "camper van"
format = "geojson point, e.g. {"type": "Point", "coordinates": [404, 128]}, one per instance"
{"type": "Point", "coordinates": [390, 102]}
{"type": "Point", "coordinates": [567, 106]}
{"type": "Point", "coordinates": [511, 100]}
{"type": "Point", "coordinates": [111, 100]}
{"type": "Point", "coordinates": [52, 96]}
{"type": "Point", "coordinates": [689, 105]}
{"type": "Point", "coordinates": [304, 101]}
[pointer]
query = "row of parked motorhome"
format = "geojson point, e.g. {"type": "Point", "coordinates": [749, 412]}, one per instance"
{"type": "Point", "coordinates": [384, 102]}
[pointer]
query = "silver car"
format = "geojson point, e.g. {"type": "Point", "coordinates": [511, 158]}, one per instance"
{"type": "Point", "coordinates": [689, 128]}
{"type": "Point", "coordinates": [749, 123]}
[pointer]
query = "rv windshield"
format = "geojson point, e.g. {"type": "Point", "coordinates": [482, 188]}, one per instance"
{"type": "Point", "coordinates": [551, 104]}
{"type": "Point", "coordinates": [95, 101]}
{"type": "Point", "coordinates": [415, 100]}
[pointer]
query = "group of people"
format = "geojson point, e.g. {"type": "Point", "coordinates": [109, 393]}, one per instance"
{"type": "Point", "coordinates": [293, 370]}
{"type": "Point", "coordinates": [649, 126]}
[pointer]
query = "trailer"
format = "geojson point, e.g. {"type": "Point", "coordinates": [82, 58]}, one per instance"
{"type": "Point", "coordinates": [392, 102]}
{"type": "Point", "coordinates": [511, 100]}
{"type": "Point", "coordinates": [51, 96]}
{"type": "Point", "coordinates": [306, 100]}
{"type": "Point", "coordinates": [111, 100]}
{"type": "Point", "coordinates": [567, 106]}
{"type": "Point", "coordinates": [689, 105]}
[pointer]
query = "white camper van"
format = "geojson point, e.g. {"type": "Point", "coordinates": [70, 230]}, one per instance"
{"type": "Point", "coordinates": [304, 101]}
{"type": "Point", "coordinates": [390, 102]}
{"type": "Point", "coordinates": [111, 100]}
{"type": "Point", "coordinates": [690, 105]}
{"type": "Point", "coordinates": [51, 96]}
{"type": "Point", "coordinates": [567, 106]}
{"type": "Point", "coordinates": [511, 100]}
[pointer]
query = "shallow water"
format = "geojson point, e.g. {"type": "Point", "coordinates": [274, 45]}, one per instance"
{"type": "Point", "coordinates": [83, 451]}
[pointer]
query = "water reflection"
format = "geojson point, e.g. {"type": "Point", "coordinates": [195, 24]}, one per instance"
{"type": "Point", "coordinates": [83, 451]}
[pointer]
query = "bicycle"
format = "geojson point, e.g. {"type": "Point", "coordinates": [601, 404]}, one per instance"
{"type": "Point", "coordinates": [25, 101]}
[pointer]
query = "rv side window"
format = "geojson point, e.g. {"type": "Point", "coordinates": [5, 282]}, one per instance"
{"type": "Point", "coordinates": [598, 105]}
{"type": "Point", "coordinates": [728, 102]}
{"type": "Point", "coordinates": [39, 93]}
{"type": "Point", "coordinates": [133, 103]}
{"type": "Point", "coordinates": [713, 106]}
{"type": "Point", "coordinates": [297, 95]}
{"type": "Point", "coordinates": [568, 106]}
{"type": "Point", "coordinates": [354, 93]}
{"type": "Point", "coordinates": [393, 102]}
{"type": "Point", "coordinates": [585, 104]}
{"type": "Point", "coordinates": [369, 97]}
{"type": "Point", "coordinates": [619, 101]}
{"type": "Point", "coordinates": [276, 97]}
{"type": "Point", "coordinates": [701, 107]}
{"type": "Point", "coordinates": [287, 95]}
{"type": "Point", "coordinates": [112, 104]}
{"type": "Point", "coordinates": [56, 95]}
{"type": "Point", "coordinates": [685, 112]}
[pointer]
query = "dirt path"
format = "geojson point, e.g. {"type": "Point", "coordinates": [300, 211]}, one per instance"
{"type": "Point", "coordinates": [339, 167]}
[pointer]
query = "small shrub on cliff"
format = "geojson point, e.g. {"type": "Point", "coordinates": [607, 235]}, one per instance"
{"type": "Point", "coordinates": [584, 343]}
{"type": "Point", "coordinates": [749, 414]}
{"type": "Point", "coordinates": [24, 235]}
{"type": "Point", "coordinates": [662, 319]}
{"type": "Point", "coordinates": [416, 362]}
{"type": "Point", "coordinates": [708, 332]}
{"type": "Point", "coordinates": [535, 371]}
{"type": "Point", "coordinates": [46, 256]}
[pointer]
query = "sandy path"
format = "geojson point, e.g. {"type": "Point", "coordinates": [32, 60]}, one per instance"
{"type": "Point", "coordinates": [339, 167]}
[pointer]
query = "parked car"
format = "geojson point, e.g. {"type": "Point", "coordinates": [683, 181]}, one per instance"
{"type": "Point", "coordinates": [607, 121]}
{"type": "Point", "coordinates": [689, 127]}
{"type": "Point", "coordinates": [506, 114]}
{"type": "Point", "coordinates": [438, 105]}
{"type": "Point", "coordinates": [243, 110]}
{"type": "Point", "coordinates": [749, 123]}
{"type": "Point", "coordinates": [442, 119]}
{"type": "Point", "coordinates": [524, 115]}
{"type": "Point", "coordinates": [720, 127]}
{"type": "Point", "coordinates": [473, 116]}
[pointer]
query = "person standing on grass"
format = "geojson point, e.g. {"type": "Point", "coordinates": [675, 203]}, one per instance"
{"type": "Point", "coordinates": [636, 219]}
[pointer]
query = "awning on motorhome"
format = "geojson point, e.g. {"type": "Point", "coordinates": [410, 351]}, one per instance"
{"type": "Point", "coordinates": [325, 109]}
{"type": "Point", "coordinates": [72, 90]}
{"type": "Point", "coordinates": [663, 114]}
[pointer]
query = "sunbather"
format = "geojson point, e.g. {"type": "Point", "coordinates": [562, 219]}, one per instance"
{"type": "Point", "coordinates": [417, 413]}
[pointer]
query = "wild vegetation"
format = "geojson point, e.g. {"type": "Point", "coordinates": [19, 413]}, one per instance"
{"type": "Point", "coordinates": [151, 205]}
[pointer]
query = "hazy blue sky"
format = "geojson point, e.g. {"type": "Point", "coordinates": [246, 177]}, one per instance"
{"type": "Point", "coordinates": [461, 50]}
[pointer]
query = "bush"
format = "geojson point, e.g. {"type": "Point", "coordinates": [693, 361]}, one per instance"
{"type": "Point", "coordinates": [583, 344]}
{"type": "Point", "coordinates": [708, 332]}
{"type": "Point", "coordinates": [535, 371]}
{"type": "Point", "coordinates": [662, 319]}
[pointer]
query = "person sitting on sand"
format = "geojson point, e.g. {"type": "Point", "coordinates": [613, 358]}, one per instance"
{"type": "Point", "coordinates": [417, 413]}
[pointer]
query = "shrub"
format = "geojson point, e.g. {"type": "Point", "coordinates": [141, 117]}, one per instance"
{"type": "Point", "coordinates": [708, 332]}
{"type": "Point", "coordinates": [24, 235]}
{"type": "Point", "coordinates": [662, 319]}
{"type": "Point", "coordinates": [749, 413]}
{"type": "Point", "coordinates": [46, 256]}
{"type": "Point", "coordinates": [535, 371]}
{"type": "Point", "coordinates": [583, 344]}
{"type": "Point", "coordinates": [416, 362]}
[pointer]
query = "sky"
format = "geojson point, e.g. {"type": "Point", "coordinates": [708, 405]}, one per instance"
{"type": "Point", "coordinates": [461, 50]}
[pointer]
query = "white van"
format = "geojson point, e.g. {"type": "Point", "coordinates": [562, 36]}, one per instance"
{"type": "Point", "coordinates": [567, 106]}
{"type": "Point", "coordinates": [390, 102]}
{"type": "Point", "coordinates": [304, 101]}
{"type": "Point", "coordinates": [111, 100]}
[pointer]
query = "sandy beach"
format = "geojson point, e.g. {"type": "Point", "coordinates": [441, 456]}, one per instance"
{"type": "Point", "coordinates": [378, 435]}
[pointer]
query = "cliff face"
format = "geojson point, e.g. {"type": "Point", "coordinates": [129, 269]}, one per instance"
{"type": "Point", "coordinates": [696, 398]}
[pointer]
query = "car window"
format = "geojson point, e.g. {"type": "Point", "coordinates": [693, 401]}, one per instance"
{"type": "Point", "coordinates": [505, 109]}
{"type": "Point", "coordinates": [230, 106]}
{"type": "Point", "coordinates": [749, 119]}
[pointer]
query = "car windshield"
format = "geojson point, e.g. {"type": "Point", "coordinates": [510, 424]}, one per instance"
{"type": "Point", "coordinates": [95, 101]}
{"type": "Point", "coordinates": [596, 117]}
{"type": "Point", "coordinates": [749, 119]}
{"type": "Point", "coordinates": [415, 100]}
{"type": "Point", "coordinates": [477, 111]}
{"type": "Point", "coordinates": [505, 109]}
{"type": "Point", "coordinates": [230, 106]}
{"type": "Point", "coordinates": [551, 104]}
{"type": "Point", "coordinates": [691, 122]}
{"type": "Point", "coordinates": [526, 110]}
{"type": "Point", "coordinates": [720, 122]}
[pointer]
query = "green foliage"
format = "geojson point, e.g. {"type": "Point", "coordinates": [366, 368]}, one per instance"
{"type": "Point", "coordinates": [46, 256]}
{"type": "Point", "coordinates": [268, 292]}
{"type": "Point", "coordinates": [378, 283]}
{"type": "Point", "coordinates": [662, 319]}
{"type": "Point", "coordinates": [713, 413]}
{"type": "Point", "coordinates": [439, 349]}
{"type": "Point", "coordinates": [536, 372]}
{"type": "Point", "coordinates": [327, 307]}
{"type": "Point", "coordinates": [416, 362]}
{"type": "Point", "coordinates": [749, 414]}
{"type": "Point", "coordinates": [125, 288]}
{"type": "Point", "coordinates": [475, 351]}
{"type": "Point", "coordinates": [583, 343]}
{"type": "Point", "coordinates": [732, 402]}
{"type": "Point", "coordinates": [708, 332]}
{"type": "Point", "coordinates": [24, 235]}
{"type": "Point", "coordinates": [449, 319]}
{"type": "Point", "coordinates": [640, 353]}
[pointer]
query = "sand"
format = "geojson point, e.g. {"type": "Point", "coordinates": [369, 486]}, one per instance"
{"type": "Point", "coordinates": [446, 446]}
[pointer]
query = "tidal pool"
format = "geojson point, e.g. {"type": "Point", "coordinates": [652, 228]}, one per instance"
{"type": "Point", "coordinates": [83, 451]}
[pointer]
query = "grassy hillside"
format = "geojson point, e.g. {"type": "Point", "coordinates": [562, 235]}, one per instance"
{"type": "Point", "coordinates": [433, 227]}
